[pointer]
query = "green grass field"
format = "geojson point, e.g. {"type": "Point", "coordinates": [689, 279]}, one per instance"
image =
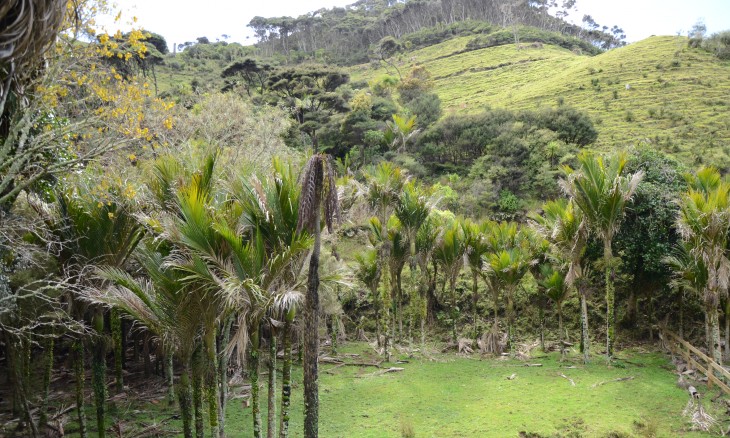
{"type": "Point", "coordinates": [453, 396]}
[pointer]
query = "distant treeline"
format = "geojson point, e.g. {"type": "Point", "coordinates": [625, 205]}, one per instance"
{"type": "Point", "coordinates": [347, 35]}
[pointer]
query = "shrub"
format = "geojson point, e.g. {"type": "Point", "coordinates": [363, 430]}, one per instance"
{"type": "Point", "coordinates": [718, 44]}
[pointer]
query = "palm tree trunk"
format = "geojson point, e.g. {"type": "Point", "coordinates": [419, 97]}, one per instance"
{"type": "Point", "coordinates": [681, 313]}
{"type": "Point", "coordinates": [715, 334]}
{"type": "Point", "coordinates": [286, 379]}
{"type": "Point", "coordinates": [727, 329]}
{"type": "Point", "coordinates": [116, 323]}
{"type": "Point", "coordinates": [185, 399]}
{"type": "Point", "coordinates": [79, 374]}
{"type": "Point", "coordinates": [454, 308]}
{"type": "Point", "coordinates": [400, 306]}
{"type": "Point", "coordinates": [495, 298]}
{"type": "Point", "coordinates": [198, 392]}
{"type": "Point", "coordinates": [335, 332]}
{"type": "Point", "coordinates": [253, 374]}
{"type": "Point", "coordinates": [541, 315]}
{"type": "Point", "coordinates": [610, 297]}
{"type": "Point", "coordinates": [223, 375]}
{"type": "Point", "coordinates": [475, 299]}
{"type": "Point", "coordinates": [98, 373]}
{"type": "Point", "coordinates": [376, 304]}
{"type": "Point", "coordinates": [212, 390]}
{"type": "Point", "coordinates": [170, 378]}
{"type": "Point", "coordinates": [311, 332]}
{"type": "Point", "coordinates": [560, 330]}
{"type": "Point", "coordinates": [510, 320]}
{"type": "Point", "coordinates": [585, 340]}
{"type": "Point", "coordinates": [271, 426]}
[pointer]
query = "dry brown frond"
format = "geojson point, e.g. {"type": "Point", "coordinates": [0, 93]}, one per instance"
{"type": "Point", "coordinates": [27, 29]}
{"type": "Point", "coordinates": [318, 187]}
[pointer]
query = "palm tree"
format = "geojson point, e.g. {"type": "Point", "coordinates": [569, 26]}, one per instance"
{"type": "Point", "coordinates": [426, 239]}
{"type": "Point", "coordinates": [93, 231]}
{"type": "Point", "coordinates": [412, 211]}
{"type": "Point", "coordinates": [449, 254]}
{"type": "Point", "coordinates": [367, 274]}
{"type": "Point", "coordinates": [602, 191]}
{"type": "Point", "coordinates": [384, 184]}
{"type": "Point", "coordinates": [556, 288]}
{"type": "Point", "coordinates": [163, 306]}
{"type": "Point", "coordinates": [398, 243]}
{"type": "Point", "coordinates": [704, 213]}
{"type": "Point", "coordinates": [512, 253]}
{"type": "Point", "coordinates": [476, 248]}
{"type": "Point", "coordinates": [318, 193]}
{"type": "Point", "coordinates": [690, 274]}
{"type": "Point", "coordinates": [400, 130]}
{"type": "Point", "coordinates": [563, 225]}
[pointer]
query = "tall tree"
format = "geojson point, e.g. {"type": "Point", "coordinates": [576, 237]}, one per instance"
{"type": "Point", "coordinates": [319, 195]}
{"type": "Point", "coordinates": [311, 92]}
{"type": "Point", "coordinates": [601, 190]}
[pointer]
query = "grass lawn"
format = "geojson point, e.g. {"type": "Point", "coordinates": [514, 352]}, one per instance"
{"type": "Point", "coordinates": [453, 396]}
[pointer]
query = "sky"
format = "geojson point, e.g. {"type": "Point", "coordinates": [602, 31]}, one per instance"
{"type": "Point", "coordinates": [185, 20]}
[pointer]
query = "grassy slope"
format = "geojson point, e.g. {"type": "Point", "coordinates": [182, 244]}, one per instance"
{"type": "Point", "coordinates": [679, 98]}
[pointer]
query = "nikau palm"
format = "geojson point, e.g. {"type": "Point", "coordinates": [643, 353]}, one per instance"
{"type": "Point", "coordinates": [319, 194]}
{"type": "Point", "coordinates": [704, 214]}
{"type": "Point", "coordinates": [602, 191]}
{"type": "Point", "coordinates": [562, 224]}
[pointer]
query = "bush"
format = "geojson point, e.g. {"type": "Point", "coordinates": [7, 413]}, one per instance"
{"type": "Point", "coordinates": [427, 107]}
{"type": "Point", "coordinates": [508, 202]}
{"type": "Point", "coordinates": [531, 35]}
{"type": "Point", "coordinates": [718, 44]}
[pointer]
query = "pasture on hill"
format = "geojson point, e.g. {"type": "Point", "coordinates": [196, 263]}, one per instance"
{"type": "Point", "coordinates": [656, 90]}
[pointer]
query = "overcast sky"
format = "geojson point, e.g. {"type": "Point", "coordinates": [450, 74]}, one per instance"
{"type": "Point", "coordinates": [184, 20]}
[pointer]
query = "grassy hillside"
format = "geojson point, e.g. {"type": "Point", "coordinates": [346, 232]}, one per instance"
{"type": "Point", "coordinates": [657, 90]}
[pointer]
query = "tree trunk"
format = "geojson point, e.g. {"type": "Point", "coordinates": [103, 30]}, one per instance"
{"type": "Point", "coordinates": [681, 313]}
{"type": "Point", "coordinates": [400, 306]}
{"type": "Point", "coordinates": [632, 307]}
{"type": "Point", "coordinates": [116, 323]}
{"type": "Point", "coordinates": [98, 376]}
{"type": "Point", "coordinates": [510, 320]}
{"type": "Point", "coordinates": [311, 332]}
{"type": "Point", "coordinates": [715, 334]}
{"type": "Point", "coordinates": [185, 399]}
{"type": "Point", "coordinates": [454, 309]}
{"type": "Point", "coordinates": [47, 372]}
{"type": "Point", "coordinates": [335, 332]}
{"type": "Point", "coordinates": [727, 329]}
{"type": "Point", "coordinates": [79, 374]}
{"type": "Point", "coordinates": [212, 390]}
{"type": "Point", "coordinates": [378, 323]}
{"type": "Point", "coordinates": [286, 379]}
{"type": "Point", "coordinates": [495, 298]}
{"type": "Point", "coordinates": [585, 336]}
{"type": "Point", "coordinates": [560, 330]}
{"type": "Point", "coordinates": [475, 300]}
{"type": "Point", "coordinates": [541, 315]}
{"type": "Point", "coordinates": [146, 354]}
{"type": "Point", "coordinates": [610, 296]}
{"type": "Point", "coordinates": [170, 378]}
{"type": "Point", "coordinates": [198, 397]}
{"type": "Point", "coordinates": [271, 426]}
{"type": "Point", "coordinates": [223, 374]}
{"type": "Point", "coordinates": [253, 374]}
